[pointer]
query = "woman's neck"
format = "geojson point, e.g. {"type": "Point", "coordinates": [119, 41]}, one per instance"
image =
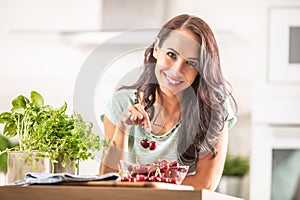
{"type": "Point", "coordinates": [167, 113]}
{"type": "Point", "coordinates": [170, 103]}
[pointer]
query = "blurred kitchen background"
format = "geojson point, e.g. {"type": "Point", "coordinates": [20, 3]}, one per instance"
{"type": "Point", "coordinates": [45, 43]}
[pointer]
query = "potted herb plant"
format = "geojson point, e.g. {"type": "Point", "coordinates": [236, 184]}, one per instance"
{"type": "Point", "coordinates": [47, 133]}
{"type": "Point", "coordinates": [235, 169]}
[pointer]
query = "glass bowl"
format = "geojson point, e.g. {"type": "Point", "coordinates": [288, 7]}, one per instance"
{"type": "Point", "coordinates": [159, 171]}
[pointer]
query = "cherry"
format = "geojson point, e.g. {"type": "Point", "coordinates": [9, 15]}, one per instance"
{"type": "Point", "coordinates": [155, 179]}
{"type": "Point", "coordinates": [164, 166]}
{"type": "Point", "coordinates": [142, 169]}
{"type": "Point", "coordinates": [141, 177]}
{"type": "Point", "coordinates": [145, 143]}
{"type": "Point", "coordinates": [182, 169]}
{"type": "Point", "coordinates": [172, 180]}
{"type": "Point", "coordinates": [151, 168]}
{"type": "Point", "coordinates": [125, 179]}
{"type": "Point", "coordinates": [152, 145]}
{"type": "Point", "coordinates": [148, 144]}
{"type": "Point", "coordinates": [164, 179]}
{"type": "Point", "coordinates": [132, 179]}
{"type": "Point", "coordinates": [174, 174]}
{"type": "Point", "coordinates": [130, 168]}
{"type": "Point", "coordinates": [174, 165]}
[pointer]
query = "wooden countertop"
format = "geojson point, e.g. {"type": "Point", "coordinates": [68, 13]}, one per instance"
{"type": "Point", "coordinates": [149, 191]}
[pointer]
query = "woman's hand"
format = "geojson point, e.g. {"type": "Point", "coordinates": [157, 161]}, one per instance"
{"type": "Point", "coordinates": [134, 115]}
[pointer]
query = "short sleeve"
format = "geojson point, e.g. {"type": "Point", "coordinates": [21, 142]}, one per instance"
{"type": "Point", "coordinates": [117, 104]}
{"type": "Point", "coordinates": [232, 119]}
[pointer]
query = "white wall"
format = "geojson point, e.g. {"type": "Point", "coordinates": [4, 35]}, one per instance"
{"type": "Point", "coordinates": [33, 56]}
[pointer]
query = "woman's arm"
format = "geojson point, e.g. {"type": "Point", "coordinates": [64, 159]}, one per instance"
{"type": "Point", "coordinates": [115, 153]}
{"type": "Point", "coordinates": [209, 170]}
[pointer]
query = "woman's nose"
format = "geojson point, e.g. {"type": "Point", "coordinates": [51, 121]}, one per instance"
{"type": "Point", "coordinates": [179, 65]}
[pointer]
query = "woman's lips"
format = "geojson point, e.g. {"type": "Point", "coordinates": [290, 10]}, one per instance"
{"type": "Point", "coordinates": [172, 81]}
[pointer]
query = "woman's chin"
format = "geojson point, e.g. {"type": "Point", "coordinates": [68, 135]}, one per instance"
{"type": "Point", "coordinates": [170, 91]}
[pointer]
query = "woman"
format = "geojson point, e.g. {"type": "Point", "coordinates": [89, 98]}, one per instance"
{"type": "Point", "coordinates": [178, 109]}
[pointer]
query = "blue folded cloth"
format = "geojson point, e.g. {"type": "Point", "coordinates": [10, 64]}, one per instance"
{"type": "Point", "coordinates": [46, 178]}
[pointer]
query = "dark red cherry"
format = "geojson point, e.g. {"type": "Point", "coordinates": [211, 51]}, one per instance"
{"type": "Point", "coordinates": [154, 179]}
{"type": "Point", "coordinates": [164, 166]}
{"type": "Point", "coordinates": [125, 179]}
{"type": "Point", "coordinates": [132, 179]}
{"type": "Point", "coordinates": [164, 179]}
{"type": "Point", "coordinates": [145, 143]}
{"type": "Point", "coordinates": [141, 177]}
{"type": "Point", "coordinates": [174, 165]}
{"type": "Point", "coordinates": [152, 145]}
{"type": "Point", "coordinates": [172, 180]}
{"type": "Point", "coordinates": [182, 169]}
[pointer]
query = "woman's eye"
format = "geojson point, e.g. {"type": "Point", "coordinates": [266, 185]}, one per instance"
{"type": "Point", "coordinates": [171, 54]}
{"type": "Point", "coordinates": [192, 63]}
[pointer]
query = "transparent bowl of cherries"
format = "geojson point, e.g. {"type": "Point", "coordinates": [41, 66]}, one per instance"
{"type": "Point", "coordinates": [158, 171]}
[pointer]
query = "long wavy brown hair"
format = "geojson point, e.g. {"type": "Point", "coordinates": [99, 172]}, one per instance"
{"type": "Point", "coordinates": [204, 100]}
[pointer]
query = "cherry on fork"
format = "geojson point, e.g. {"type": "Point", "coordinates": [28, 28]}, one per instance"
{"type": "Point", "coordinates": [148, 144]}
{"type": "Point", "coordinates": [152, 145]}
{"type": "Point", "coordinates": [145, 143]}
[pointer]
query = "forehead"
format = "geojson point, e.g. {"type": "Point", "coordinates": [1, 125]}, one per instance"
{"type": "Point", "coordinates": [184, 42]}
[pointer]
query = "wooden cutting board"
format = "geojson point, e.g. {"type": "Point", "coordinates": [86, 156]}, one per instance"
{"type": "Point", "coordinates": [157, 185]}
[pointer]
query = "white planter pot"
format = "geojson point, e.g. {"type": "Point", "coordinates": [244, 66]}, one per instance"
{"type": "Point", "coordinates": [17, 167]}
{"type": "Point", "coordinates": [230, 185]}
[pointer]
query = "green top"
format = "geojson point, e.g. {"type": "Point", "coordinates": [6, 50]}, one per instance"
{"type": "Point", "coordinates": [166, 143]}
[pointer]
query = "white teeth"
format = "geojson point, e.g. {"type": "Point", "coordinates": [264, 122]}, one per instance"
{"type": "Point", "coordinates": [172, 81]}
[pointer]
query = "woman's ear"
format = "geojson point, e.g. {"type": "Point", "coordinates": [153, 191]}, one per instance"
{"type": "Point", "coordinates": [155, 50]}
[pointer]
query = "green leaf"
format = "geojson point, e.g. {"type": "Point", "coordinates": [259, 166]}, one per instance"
{"type": "Point", "coordinates": [5, 117]}
{"type": "Point", "coordinates": [63, 108]}
{"type": "Point", "coordinates": [20, 101]}
{"type": "Point", "coordinates": [37, 99]}
{"type": "Point", "coordinates": [18, 109]}
{"type": "Point", "coordinates": [10, 129]}
{"type": "Point", "coordinates": [4, 143]}
{"type": "Point", "coordinates": [3, 163]}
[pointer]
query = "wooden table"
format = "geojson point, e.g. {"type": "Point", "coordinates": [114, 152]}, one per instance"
{"type": "Point", "coordinates": [151, 191]}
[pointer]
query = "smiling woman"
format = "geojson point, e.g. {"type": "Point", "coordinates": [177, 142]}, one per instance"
{"type": "Point", "coordinates": [180, 102]}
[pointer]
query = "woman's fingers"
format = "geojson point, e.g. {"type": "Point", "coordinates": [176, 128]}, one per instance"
{"type": "Point", "coordinates": [144, 118]}
{"type": "Point", "coordinates": [138, 116]}
{"type": "Point", "coordinates": [135, 112]}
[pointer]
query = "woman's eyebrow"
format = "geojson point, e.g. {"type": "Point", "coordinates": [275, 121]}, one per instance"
{"type": "Point", "coordinates": [174, 51]}
{"type": "Point", "coordinates": [196, 59]}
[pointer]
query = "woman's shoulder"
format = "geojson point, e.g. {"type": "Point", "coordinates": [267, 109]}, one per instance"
{"type": "Point", "coordinates": [120, 100]}
{"type": "Point", "coordinates": [125, 96]}
{"type": "Point", "coordinates": [125, 93]}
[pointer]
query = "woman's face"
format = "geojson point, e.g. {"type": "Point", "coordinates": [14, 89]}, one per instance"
{"type": "Point", "coordinates": [177, 61]}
